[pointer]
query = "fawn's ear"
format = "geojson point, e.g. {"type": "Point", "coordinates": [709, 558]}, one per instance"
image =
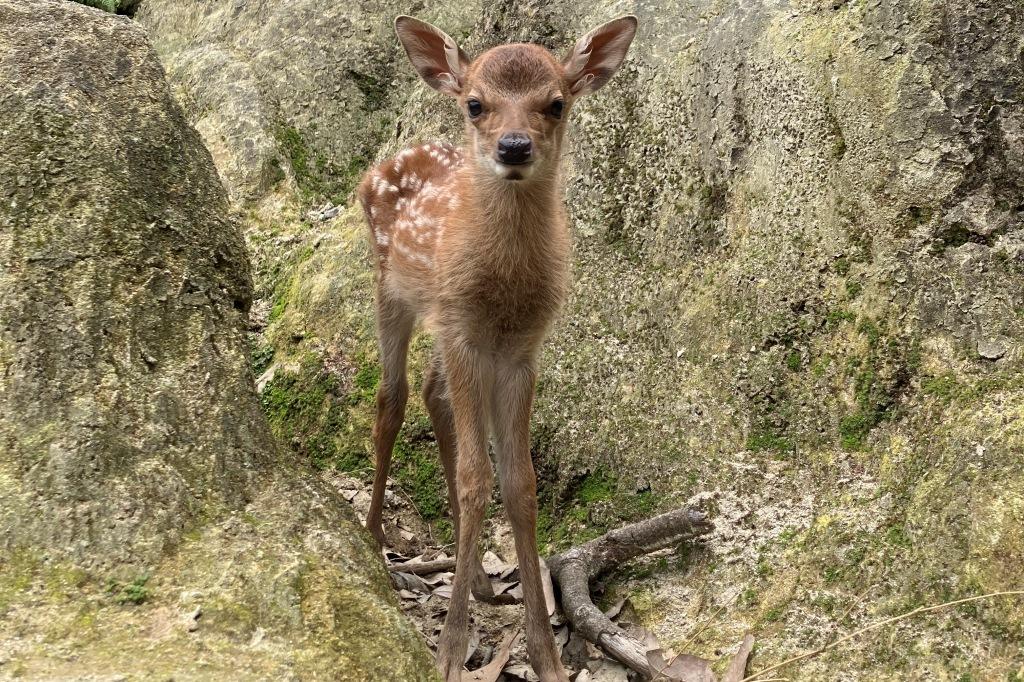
{"type": "Point", "coordinates": [440, 62]}
{"type": "Point", "coordinates": [599, 54]}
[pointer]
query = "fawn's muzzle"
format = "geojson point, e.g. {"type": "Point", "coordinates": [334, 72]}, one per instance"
{"type": "Point", "coordinates": [514, 149]}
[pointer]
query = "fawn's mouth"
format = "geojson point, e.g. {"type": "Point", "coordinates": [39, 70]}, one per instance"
{"type": "Point", "coordinates": [512, 171]}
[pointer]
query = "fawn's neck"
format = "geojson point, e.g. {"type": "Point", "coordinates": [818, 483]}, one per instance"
{"type": "Point", "coordinates": [518, 216]}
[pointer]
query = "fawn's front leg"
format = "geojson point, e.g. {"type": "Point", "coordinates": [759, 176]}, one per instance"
{"type": "Point", "coordinates": [468, 377]}
{"type": "Point", "coordinates": [435, 396]}
{"type": "Point", "coordinates": [511, 407]}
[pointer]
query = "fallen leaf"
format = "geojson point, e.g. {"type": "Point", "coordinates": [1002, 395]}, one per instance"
{"type": "Point", "coordinates": [649, 640]}
{"type": "Point", "coordinates": [257, 637]}
{"type": "Point", "coordinates": [683, 668]}
{"type": "Point", "coordinates": [549, 588]}
{"type": "Point", "coordinates": [738, 665]}
{"type": "Point", "coordinates": [474, 642]}
{"type": "Point", "coordinates": [561, 638]}
{"type": "Point", "coordinates": [408, 581]}
{"type": "Point", "coordinates": [614, 609]}
{"type": "Point", "coordinates": [523, 672]}
{"type": "Point", "coordinates": [608, 671]}
{"type": "Point", "coordinates": [436, 578]}
{"type": "Point", "coordinates": [493, 565]}
{"type": "Point", "coordinates": [500, 587]}
{"type": "Point", "coordinates": [491, 671]}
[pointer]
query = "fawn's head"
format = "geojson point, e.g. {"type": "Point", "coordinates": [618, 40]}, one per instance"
{"type": "Point", "coordinates": [515, 98]}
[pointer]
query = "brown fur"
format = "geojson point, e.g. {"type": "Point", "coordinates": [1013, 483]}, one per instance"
{"type": "Point", "coordinates": [479, 252]}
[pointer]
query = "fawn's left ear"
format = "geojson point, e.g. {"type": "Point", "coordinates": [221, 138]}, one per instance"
{"type": "Point", "coordinates": [599, 54]}
{"type": "Point", "coordinates": [440, 62]}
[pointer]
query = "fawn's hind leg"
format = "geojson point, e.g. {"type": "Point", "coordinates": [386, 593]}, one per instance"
{"type": "Point", "coordinates": [395, 322]}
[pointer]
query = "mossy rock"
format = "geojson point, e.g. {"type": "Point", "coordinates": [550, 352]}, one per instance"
{"type": "Point", "coordinates": [150, 525]}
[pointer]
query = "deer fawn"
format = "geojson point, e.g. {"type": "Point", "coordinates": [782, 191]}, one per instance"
{"type": "Point", "coordinates": [474, 243]}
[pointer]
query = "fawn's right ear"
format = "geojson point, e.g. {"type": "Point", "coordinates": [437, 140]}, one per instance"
{"type": "Point", "coordinates": [440, 62]}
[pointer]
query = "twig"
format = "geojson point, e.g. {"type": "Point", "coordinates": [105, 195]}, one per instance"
{"type": "Point", "coordinates": [704, 626]}
{"type": "Point", "coordinates": [424, 567]}
{"type": "Point", "coordinates": [875, 626]}
{"type": "Point", "coordinates": [573, 570]}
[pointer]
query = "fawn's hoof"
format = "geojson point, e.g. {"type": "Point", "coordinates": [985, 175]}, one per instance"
{"type": "Point", "coordinates": [451, 670]}
{"type": "Point", "coordinates": [377, 532]}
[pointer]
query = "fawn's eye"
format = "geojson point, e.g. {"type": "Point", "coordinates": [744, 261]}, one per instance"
{"type": "Point", "coordinates": [556, 108]}
{"type": "Point", "coordinates": [474, 107]}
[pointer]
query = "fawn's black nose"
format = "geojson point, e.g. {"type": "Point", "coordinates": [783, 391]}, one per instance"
{"type": "Point", "coordinates": [514, 149]}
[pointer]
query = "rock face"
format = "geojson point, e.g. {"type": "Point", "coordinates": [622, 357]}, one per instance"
{"type": "Point", "coordinates": [799, 290]}
{"type": "Point", "coordinates": [149, 524]}
{"type": "Point", "coordinates": [305, 87]}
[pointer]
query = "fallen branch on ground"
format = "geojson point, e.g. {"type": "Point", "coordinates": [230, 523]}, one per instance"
{"type": "Point", "coordinates": [573, 570]}
{"type": "Point", "coordinates": [424, 567]}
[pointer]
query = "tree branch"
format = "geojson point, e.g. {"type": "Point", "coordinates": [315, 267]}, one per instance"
{"type": "Point", "coordinates": [573, 570]}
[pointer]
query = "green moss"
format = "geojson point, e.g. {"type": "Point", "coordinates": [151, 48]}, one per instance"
{"type": "Point", "coordinates": [897, 536]}
{"type": "Point", "coordinates": [821, 365]}
{"type": "Point", "coordinates": [759, 441]}
{"type": "Point", "coordinates": [417, 469]}
{"type": "Point", "coordinates": [16, 574]}
{"type": "Point", "coordinates": [106, 5]}
{"type": "Point", "coordinates": [444, 531]}
{"type": "Point", "coordinates": [317, 176]}
{"type": "Point", "coordinates": [595, 487]}
{"type": "Point", "coordinates": [588, 506]}
{"type": "Point", "coordinates": [299, 157]}
{"type": "Point", "coordinates": [854, 430]}
{"type": "Point", "coordinates": [794, 360]}
{"type": "Point", "coordinates": [134, 592]}
{"type": "Point", "coordinates": [365, 382]}
{"type": "Point", "coordinates": [374, 90]}
{"type": "Point", "coordinates": [946, 388]}
{"type": "Point", "coordinates": [871, 330]}
{"type": "Point", "coordinates": [879, 379]}
{"type": "Point", "coordinates": [309, 412]}
{"type": "Point", "coordinates": [261, 354]}
{"type": "Point", "coordinates": [835, 317]}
